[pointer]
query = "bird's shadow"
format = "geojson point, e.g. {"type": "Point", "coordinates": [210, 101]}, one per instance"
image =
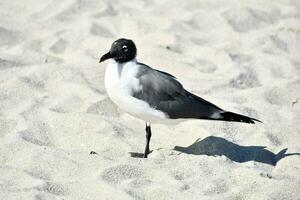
{"type": "Point", "coordinates": [217, 146]}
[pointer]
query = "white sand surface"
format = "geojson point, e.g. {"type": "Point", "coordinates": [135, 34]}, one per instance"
{"type": "Point", "coordinates": [241, 55]}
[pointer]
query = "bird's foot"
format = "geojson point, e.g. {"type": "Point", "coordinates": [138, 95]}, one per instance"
{"type": "Point", "coordinates": [147, 152]}
{"type": "Point", "coordinates": [139, 155]}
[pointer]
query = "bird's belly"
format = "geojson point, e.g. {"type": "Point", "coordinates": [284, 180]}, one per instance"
{"type": "Point", "coordinates": [135, 107]}
{"type": "Point", "coordinates": [120, 94]}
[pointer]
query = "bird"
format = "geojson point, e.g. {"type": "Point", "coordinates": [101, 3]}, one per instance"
{"type": "Point", "coordinates": [155, 96]}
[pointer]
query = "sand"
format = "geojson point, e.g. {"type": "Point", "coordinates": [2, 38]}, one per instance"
{"type": "Point", "coordinates": [241, 55]}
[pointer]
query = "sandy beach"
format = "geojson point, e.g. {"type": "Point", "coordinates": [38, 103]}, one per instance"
{"type": "Point", "coordinates": [54, 111]}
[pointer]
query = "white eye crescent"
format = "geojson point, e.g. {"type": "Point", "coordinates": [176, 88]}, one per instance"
{"type": "Point", "coordinates": [124, 48]}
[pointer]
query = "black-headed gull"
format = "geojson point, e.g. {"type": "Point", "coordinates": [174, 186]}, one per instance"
{"type": "Point", "coordinates": [152, 95]}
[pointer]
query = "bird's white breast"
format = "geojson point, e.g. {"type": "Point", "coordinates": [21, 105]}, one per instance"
{"type": "Point", "coordinates": [120, 83]}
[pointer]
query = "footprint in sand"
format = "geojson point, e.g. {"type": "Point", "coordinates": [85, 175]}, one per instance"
{"type": "Point", "coordinates": [36, 135]}
{"type": "Point", "coordinates": [273, 139]}
{"type": "Point", "coordinates": [117, 174]}
{"type": "Point", "coordinates": [140, 183]}
{"type": "Point", "coordinates": [33, 82]}
{"type": "Point", "coordinates": [59, 46]}
{"type": "Point", "coordinates": [279, 96]}
{"type": "Point", "coordinates": [8, 37]}
{"type": "Point", "coordinates": [218, 186]}
{"type": "Point", "coordinates": [38, 173]}
{"type": "Point", "coordinates": [4, 64]}
{"type": "Point", "coordinates": [245, 80]}
{"type": "Point", "coordinates": [248, 19]}
{"type": "Point", "coordinates": [206, 66]}
{"type": "Point", "coordinates": [279, 43]}
{"type": "Point", "coordinates": [104, 107]}
{"type": "Point", "coordinates": [54, 188]}
{"type": "Point", "coordinates": [240, 59]}
{"type": "Point", "coordinates": [98, 30]}
{"type": "Point", "coordinates": [108, 11]}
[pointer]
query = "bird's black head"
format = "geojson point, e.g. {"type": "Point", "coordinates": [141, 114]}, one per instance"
{"type": "Point", "coordinates": [122, 50]}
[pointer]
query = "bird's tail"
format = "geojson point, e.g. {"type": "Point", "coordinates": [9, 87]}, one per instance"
{"type": "Point", "coordinates": [233, 117]}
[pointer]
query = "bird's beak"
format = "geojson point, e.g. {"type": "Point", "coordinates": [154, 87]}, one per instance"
{"type": "Point", "coordinates": [105, 57]}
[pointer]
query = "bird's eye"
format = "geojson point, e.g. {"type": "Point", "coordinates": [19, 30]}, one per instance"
{"type": "Point", "coordinates": [124, 48]}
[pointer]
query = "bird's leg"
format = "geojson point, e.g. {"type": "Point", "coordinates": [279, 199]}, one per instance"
{"type": "Point", "coordinates": [148, 137]}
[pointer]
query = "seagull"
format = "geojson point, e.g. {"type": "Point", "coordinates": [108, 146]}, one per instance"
{"type": "Point", "coordinates": [153, 95]}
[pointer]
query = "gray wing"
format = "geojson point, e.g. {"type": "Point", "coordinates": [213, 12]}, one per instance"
{"type": "Point", "coordinates": [163, 92]}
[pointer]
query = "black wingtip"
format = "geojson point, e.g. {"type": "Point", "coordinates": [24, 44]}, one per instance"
{"type": "Point", "coordinates": [234, 117]}
{"type": "Point", "coordinates": [256, 120]}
